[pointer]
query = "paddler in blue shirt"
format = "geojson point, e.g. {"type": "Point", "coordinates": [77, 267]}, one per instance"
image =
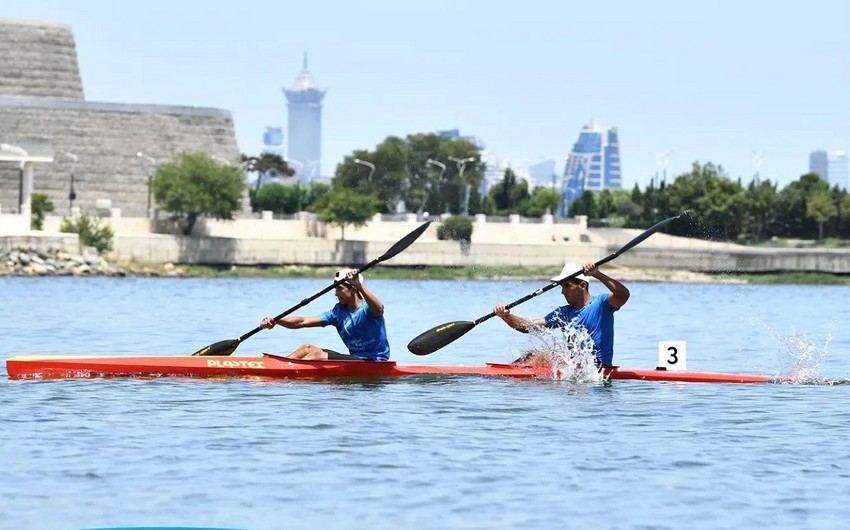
{"type": "Point", "coordinates": [594, 313]}
{"type": "Point", "coordinates": [358, 318]}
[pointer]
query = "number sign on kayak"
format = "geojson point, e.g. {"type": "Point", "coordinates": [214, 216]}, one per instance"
{"type": "Point", "coordinates": [672, 355]}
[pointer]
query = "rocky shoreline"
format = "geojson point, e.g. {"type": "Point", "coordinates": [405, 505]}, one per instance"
{"type": "Point", "coordinates": [28, 261]}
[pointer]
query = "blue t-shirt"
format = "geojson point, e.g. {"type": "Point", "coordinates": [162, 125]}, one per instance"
{"type": "Point", "coordinates": [597, 317]}
{"type": "Point", "coordinates": [364, 334]}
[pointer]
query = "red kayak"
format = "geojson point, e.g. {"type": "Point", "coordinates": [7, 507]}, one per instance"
{"type": "Point", "coordinates": [278, 367]}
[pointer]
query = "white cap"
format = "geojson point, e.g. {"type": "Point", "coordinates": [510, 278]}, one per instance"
{"type": "Point", "coordinates": [570, 268]}
{"type": "Point", "coordinates": [342, 273]}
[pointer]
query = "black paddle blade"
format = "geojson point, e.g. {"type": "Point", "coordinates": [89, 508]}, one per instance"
{"type": "Point", "coordinates": [222, 347]}
{"type": "Point", "coordinates": [437, 337]}
{"type": "Point", "coordinates": [405, 242]}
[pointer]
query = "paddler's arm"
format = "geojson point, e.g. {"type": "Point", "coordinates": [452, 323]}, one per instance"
{"type": "Point", "coordinates": [619, 292]}
{"type": "Point", "coordinates": [292, 322]}
{"type": "Point", "coordinates": [515, 321]}
{"type": "Point", "coordinates": [375, 305]}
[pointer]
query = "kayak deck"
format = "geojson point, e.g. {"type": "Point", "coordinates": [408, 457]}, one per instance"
{"type": "Point", "coordinates": [278, 367]}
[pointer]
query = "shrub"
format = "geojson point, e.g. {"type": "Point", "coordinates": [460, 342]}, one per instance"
{"type": "Point", "coordinates": [457, 228]}
{"type": "Point", "coordinates": [92, 233]}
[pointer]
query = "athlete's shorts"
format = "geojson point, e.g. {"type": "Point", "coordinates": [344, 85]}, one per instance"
{"type": "Point", "coordinates": [336, 356]}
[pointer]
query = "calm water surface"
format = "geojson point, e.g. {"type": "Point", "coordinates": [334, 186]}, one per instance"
{"type": "Point", "coordinates": [429, 452]}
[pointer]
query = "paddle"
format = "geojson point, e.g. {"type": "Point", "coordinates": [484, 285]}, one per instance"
{"type": "Point", "coordinates": [439, 336]}
{"type": "Point", "coordinates": [226, 347]}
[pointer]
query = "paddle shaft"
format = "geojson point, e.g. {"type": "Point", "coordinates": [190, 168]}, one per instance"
{"type": "Point", "coordinates": [542, 290]}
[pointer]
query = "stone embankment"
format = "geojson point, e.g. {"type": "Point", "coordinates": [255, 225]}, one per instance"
{"type": "Point", "coordinates": [27, 261]}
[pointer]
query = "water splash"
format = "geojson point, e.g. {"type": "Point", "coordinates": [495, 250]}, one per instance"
{"type": "Point", "coordinates": [804, 357]}
{"type": "Point", "coordinates": [569, 355]}
{"type": "Point", "coordinates": [800, 356]}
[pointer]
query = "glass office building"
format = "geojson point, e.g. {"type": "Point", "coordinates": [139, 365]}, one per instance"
{"type": "Point", "coordinates": [832, 166]}
{"type": "Point", "coordinates": [593, 164]}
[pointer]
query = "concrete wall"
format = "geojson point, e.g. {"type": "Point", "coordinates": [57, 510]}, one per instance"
{"type": "Point", "coordinates": [106, 138]}
{"type": "Point", "coordinates": [658, 252]}
{"type": "Point", "coordinates": [38, 59]}
{"type": "Point", "coordinates": [160, 248]}
{"type": "Point", "coordinates": [13, 225]}
{"type": "Point", "coordinates": [741, 259]}
{"type": "Point", "coordinates": [66, 242]}
{"type": "Point", "coordinates": [210, 250]}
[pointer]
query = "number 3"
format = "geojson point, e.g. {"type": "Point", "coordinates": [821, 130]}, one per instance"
{"type": "Point", "coordinates": [673, 355]}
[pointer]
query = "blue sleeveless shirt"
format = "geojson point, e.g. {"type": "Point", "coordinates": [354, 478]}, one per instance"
{"type": "Point", "coordinates": [597, 317]}
{"type": "Point", "coordinates": [364, 334]}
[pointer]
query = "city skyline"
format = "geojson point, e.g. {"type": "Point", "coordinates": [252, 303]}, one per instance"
{"type": "Point", "coordinates": [690, 81]}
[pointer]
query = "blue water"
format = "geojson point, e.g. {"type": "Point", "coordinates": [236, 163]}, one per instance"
{"type": "Point", "coordinates": [429, 452]}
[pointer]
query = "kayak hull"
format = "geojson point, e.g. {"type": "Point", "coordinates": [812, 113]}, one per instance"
{"type": "Point", "coordinates": [278, 367]}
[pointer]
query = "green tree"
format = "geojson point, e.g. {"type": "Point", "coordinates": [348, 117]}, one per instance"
{"type": "Point", "coordinates": [584, 205]}
{"type": "Point", "coordinates": [193, 185]}
{"type": "Point", "coordinates": [40, 205]}
{"type": "Point", "coordinates": [844, 215]}
{"type": "Point", "coordinates": [267, 165]}
{"type": "Point", "coordinates": [759, 209]}
{"type": "Point", "coordinates": [715, 201]}
{"type": "Point", "coordinates": [543, 200]}
{"type": "Point", "coordinates": [605, 206]}
{"type": "Point", "coordinates": [316, 196]}
{"type": "Point", "coordinates": [510, 195]}
{"type": "Point", "coordinates": [279, 198]}
{"type": "Point", "coordinates": [821, 208]}
{"type": "Point", "coordinates": [791, 206]}
{"type": "Point", "coordinates": [390, 179]}
{"type": "Point", "coordinates": [344, 207]}
{"type": "Point", "coordinates": [634, 209]}
{"type": "Point", "coordinates": [402, 173]}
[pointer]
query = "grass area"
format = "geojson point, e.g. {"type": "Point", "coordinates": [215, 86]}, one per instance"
{"type": "Point", "coordinates": [827, 242]}
{"type": "Point", "coordinates": [382, 271]}
{"type": "Point", "coordinates": [791, 278]}
{"type": "Point", "coordinates": [482, 272]}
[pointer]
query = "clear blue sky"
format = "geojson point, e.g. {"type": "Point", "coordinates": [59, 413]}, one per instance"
{"type": "Point", "coordinates": [704, 80]}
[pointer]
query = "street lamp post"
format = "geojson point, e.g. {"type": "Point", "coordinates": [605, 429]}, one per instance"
{"type": "Point", "coordinates": [72, 195]}
{"type": "Point", "coordinates": [461, 165]}
{"type": "Point", "coordinates": [442, 167]}
{"type": "Point", "coordinates": [150, 176]}
{"type": "Point", "coordinates": [368, 164]}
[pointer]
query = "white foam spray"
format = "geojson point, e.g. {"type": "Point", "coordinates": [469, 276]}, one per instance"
{"type": "Point", "coordinates": [569, 354]}
{"type": "Point", "coordinates": [800, 356]}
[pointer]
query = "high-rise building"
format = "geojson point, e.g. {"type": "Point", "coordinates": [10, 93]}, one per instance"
{"type": "Point", "coordinates": [832, 166]}
{"type": "Point", "coordinates": [542, 174]}
{"type": "Point", "coordinates": [593, 164]}
{"type": "Point", "coordinates": [273, 140]}
{"type": "Point", "coordinates": [454, 134]}
{"type": "Point", "coordinates": [305, 125]}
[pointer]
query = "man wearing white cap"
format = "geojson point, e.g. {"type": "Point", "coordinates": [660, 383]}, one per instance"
{"type": "Point", "coordinates": [358, 318]}
{"type": "Point", "coordinates": [594, 313]}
